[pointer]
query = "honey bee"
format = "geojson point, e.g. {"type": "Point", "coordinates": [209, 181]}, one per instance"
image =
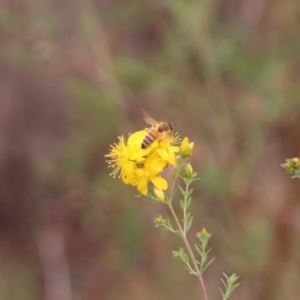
{"type": "Point", "coordinates": [158, 131]}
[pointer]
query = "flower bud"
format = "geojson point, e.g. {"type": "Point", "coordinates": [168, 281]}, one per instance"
{"type": "Point", "coordinates": [204, 233]}
{"type": "Point", "coordinates": [203, 236]}
{"type": "Point", "coordinates": [188, 171]}
{"type": "Point", "coordinates": [292, 166]}
{"type": "Point", "coordinates": [186, 148]}
{"type": "Point", "coordinates": [159, 194]}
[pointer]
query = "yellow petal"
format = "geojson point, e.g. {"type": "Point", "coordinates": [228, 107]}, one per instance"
{"type": "Point", "coordinates": [128, 168]}
{"type": "Point", "coordinates": [163, 153]}
{"type": "Point", "coordinates": [143, 185]}
{"type": "Point", "coordinates": [155, 165]}
{"type": "Point", "coordinates": [172, 159]}
{"type": "Point", "coordinates": [186, 148]}
{"type": "Point", "coordinates": [159, 183]}
{"type": "Point", "coordinates": [159, 194]}
{"type": "Point", "coordinates": [125, 179]}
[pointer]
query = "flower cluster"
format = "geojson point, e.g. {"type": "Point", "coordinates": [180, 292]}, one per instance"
{"type": "Point", "coordinates": [139, 167]}
{"type": "Point", "coordinates": [292, 166]}
{"type": "Point", "coordinates": [140, 161]}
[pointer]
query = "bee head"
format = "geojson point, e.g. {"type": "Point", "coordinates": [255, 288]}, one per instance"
{"type": "Point", "coordinates": [171, 126]}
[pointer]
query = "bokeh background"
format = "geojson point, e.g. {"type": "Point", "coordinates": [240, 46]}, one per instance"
{"type": "Point", "coordinates": [74, 75]}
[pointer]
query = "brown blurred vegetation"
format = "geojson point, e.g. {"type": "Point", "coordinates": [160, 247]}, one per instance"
{"type": "Point", "coordinates": [75, 74]}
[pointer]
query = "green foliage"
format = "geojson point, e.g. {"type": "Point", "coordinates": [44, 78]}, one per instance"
{"type": "Point", "coordinates": [204, 237]}
{"type": "Point", "coordinates": [230, 285]}
{"type": "Point", "coordinates": [187, 256]}
{"type": "Point", "coordinates": [208, 67]}
{"type": "Point", "coordinates": [165, 224]}
{"type": "Point", "coordinates": [184, 257]}
{"type": "Point", "coordinates": [292, 166]}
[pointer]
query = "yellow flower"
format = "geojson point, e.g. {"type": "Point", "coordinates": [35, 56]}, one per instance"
{"type": "Point", "coordinates": [125, 157]}
{"type": "Point", "coordinates": [151, 171]}
{"type": "Point", "coordinates": [166, 149]}
{"type": "Point", "coordinates": [186, 148]}
{"type": "Point", "coordinates": [139, 167]}
{"type": "Point", "coordinates": [167, 153]}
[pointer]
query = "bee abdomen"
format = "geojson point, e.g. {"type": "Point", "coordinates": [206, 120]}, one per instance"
{"type": "Point", "coordinates": [148, 140]}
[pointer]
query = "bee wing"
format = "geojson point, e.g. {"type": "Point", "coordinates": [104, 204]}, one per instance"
{"type": "Point", "coordinates": [148, 119]}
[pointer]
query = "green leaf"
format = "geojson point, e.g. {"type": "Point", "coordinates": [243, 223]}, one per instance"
{"type": "Point", "coordinates": [203, 260]}
{"type": "Point", "coordinates": [176, 254]}
{"type": "Point", "coordinates": [224, 283]}
{"type": "Point", "coordinates": [179, 233]}
{"type": "Point", "coordinates": [229, 285]}
{"type": "Point", "coordinates": [188, 224]}
{"type": "Point", "coordinates": [169, 224]}
{"type": "Point", "coordinates": [223, 295]}
{"type": "Point", "coordinates": [187, 217]}
{"type": "Point", "coordinates": [199, 250]}
{"type": "Point", "coordinates": [207, 264]}
{"type": "Point", "coordinates": [193, 273]}
{"type": "Point", "coordinates": [182, 204]}
{"type": "Point", "coordinates": [186, 258]}
{"type": "Point", "coordinates": [181, 255]}
{"type": "Point", "coordinates": [188, 202]}
{"type": "Point", "coordinates": [296, 174]}
{"type": "Point", "coordinates": [189, 192]}
{"type": "Point", "coordinates": [181, 190]}
{"type": "Point", "coordinates": [188, 181]}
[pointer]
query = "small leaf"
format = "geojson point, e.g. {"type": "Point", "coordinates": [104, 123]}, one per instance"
{"type": "Point", "coordinates": [182, 204]}
{"type": "Point", "coordinates": [224, 283]}
{"type": "Point", "coordinates": [179, 233]}
{"type": "Point", "coordinates": [203, 260]}
{"type": "Point", "coordinates": [176, 254]}
{"type": "Point", "coordinates": [199, 250]}
{"type": "Point", "coordinates": [181, 190]}
{"type": "Point", "coordinates": [235, 285]}
{"type": "Point", "coordinates": [188, 224]}
{"type": "Point", "coordinates": [188, 202]}
{"type": "Point", "coordinates": [185, 258]}
{"type": "Point", "coordinates": [223, 295]}
{"type": "Point", "coordinates": [229, 285]}
{"type": "Point", "coordinates": [209, 263]}
{"type": "Point", "coordinates": [189, 192]}
{"type": "Point", "coordinates": [187, 217]}
{"type": "Point", "coordinates": [193, 273]}
{"type": "Point", "coordinates": [169, 224]}
{"type": "Point", "coordinates": [188, 181]}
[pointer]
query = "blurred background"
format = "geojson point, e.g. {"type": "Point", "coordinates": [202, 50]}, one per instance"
{"type": "Point", "coordinates": [74, 75]}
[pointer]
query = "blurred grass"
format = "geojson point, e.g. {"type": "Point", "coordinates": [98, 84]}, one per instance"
{"type": "Point", "coordinates": [226, 73]}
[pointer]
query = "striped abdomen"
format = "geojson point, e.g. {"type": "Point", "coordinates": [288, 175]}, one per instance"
{"type": "Point", "coordinates": [151, 137]}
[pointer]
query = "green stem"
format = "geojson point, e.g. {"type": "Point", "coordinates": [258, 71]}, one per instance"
{"type": "Point", "coordinates": [175, 176]}
{"type": "Point", "coordinates": [184, 209]}
{"type": "Point", "coordinates": [189, 249]}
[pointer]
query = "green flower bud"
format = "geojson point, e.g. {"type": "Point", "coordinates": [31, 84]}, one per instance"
{"type": "Point", "coordinates": [204, 233]}
{"type": "Point", "coordinates": [188, 171]}
{"type": "Point", "coordinates": [292, 166]}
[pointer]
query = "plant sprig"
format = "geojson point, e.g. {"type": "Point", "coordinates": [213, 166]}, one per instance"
{"type": "Point", "coordinates": [230, 285]}
{"type": "Point", "coordinates": [187, 257]}
{"type": "Point", "coordinates": [142, 167]}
